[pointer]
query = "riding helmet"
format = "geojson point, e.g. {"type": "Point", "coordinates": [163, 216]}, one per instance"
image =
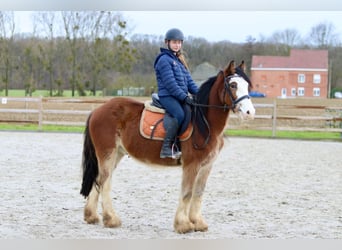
{"type": "Point", "coordinates": [174, 34]}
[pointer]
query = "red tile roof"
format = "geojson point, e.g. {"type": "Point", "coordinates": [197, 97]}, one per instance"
{"type": "Point", "coordinates": [298, 59]}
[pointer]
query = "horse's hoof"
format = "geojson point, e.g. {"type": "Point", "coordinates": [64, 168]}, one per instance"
{"type": "Point", "coordinates": [185, 227]}
{"type": "Point", "coordinates": [91, 218]}
{"type": "Point", "coordinates": [201, 227]}
{"type": "Point", "coordinates": [111, 221]}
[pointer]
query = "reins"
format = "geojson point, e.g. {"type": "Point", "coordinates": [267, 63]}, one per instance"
{"type": "Point", "coordinates": [225, 107]}
{"type": "Point", "coordinates": [227, 87]}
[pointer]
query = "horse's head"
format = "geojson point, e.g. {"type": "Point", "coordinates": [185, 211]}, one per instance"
{"type": "Point", "coordinates": [237, 86]}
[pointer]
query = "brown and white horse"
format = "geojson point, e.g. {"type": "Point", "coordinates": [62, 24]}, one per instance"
{"type": "Point", "coordinates": [112, 131]}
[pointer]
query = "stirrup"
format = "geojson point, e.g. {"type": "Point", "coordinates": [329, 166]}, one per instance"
{"type": "Point", "coordinates": [176, 153]}
{"type": "Point", "coordinates": [173, 153]}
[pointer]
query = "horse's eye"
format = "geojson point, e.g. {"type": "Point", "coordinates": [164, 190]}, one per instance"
{"type": "Point", "coordinates": [233, 85]}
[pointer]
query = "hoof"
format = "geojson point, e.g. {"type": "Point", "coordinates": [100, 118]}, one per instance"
{"type": "Point", "coordinates": [201, 226]}
{"type": "Point", "coordinates": [91, 218]}
{"type": "Point", "coordinates": [111, 221]}
{"type": "Point", "coordinates": [185, 227]}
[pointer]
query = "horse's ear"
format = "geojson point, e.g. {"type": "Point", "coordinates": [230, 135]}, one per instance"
{"type": "Point", "coordinates": [242, 65]}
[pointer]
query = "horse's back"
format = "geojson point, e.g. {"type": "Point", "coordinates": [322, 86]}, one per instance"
{"type": "Point", "coordinates": [112, 119]}
{"type": "Point", "coordinates": [118, 109]}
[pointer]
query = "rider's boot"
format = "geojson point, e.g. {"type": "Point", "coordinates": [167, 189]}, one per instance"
{"type": "Point", "coordinates": [171, 132]}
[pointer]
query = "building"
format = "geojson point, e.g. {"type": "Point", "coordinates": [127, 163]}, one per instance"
{"type": "Point", "coordinates": [304, 73]}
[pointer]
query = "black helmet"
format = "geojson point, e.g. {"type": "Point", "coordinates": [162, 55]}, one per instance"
{"type": "Point", "coordinates": [174, 34]}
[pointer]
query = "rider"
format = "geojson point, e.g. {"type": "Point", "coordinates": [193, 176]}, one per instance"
{"type": "Point", "coordinates": [174, 85]}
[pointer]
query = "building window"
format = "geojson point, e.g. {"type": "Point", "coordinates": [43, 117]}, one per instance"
{"type": "Point", "coordinates": [301, 78]}
{"type": "Point", "coordinates": [293, 92]}
{"type": "Point", "coordinates": [316, 91]}
{"type": "Point", "coordinates": [301, 92]}
{"type": "Point", "coordinates": [316, 78]}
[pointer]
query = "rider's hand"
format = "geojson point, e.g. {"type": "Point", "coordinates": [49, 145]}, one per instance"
{"type": "Point", "coordinates": [189, 101]}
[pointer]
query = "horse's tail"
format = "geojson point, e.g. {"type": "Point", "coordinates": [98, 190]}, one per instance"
{"type": "Point", "coordinates": [89, 163]}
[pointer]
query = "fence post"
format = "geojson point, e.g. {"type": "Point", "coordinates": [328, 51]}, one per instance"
{"type": "Point", "coordinates": [40, 114]}
{"type": "Point", "coordinates": [274, 118]}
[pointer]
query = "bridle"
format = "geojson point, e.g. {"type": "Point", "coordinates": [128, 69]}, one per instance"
{"type": "Point", "coordinates": [227, 89]}
{"type": "Point", "coordinates": [234, 102]}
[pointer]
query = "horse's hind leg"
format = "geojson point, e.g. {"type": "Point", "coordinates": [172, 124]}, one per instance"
{"type": "Point", "coordinates": [90, 210]}
{"type": "Point", "coordinates": [106, 167]}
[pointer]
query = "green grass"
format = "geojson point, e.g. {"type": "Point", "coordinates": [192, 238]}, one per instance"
{"type": "Point", "coordinates": [43, 93]}
{"type": "Point", "coordinates": [46, 128]}
{"type": "Point", "coordinates": [304, 135]}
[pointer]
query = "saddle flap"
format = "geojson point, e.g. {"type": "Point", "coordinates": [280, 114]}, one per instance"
{"type": "Point", "coordinates": [151, 126]}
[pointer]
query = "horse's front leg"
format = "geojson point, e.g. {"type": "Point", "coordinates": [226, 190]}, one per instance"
{"type": "Point", "coordinates": [182, 223]}
{"type": "Point", "coordinates": [195, 213]}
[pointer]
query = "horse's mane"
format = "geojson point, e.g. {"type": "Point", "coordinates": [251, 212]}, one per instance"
{"type": "Point", "coordinates": [200, 112]}
{"type": "Point", "coordinates": [202, 97]}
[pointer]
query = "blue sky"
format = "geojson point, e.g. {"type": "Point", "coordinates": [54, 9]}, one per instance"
{"type": "Point", "coordinates": [230, 25]}
{"type": "Point", "coordinates": [217, 25]}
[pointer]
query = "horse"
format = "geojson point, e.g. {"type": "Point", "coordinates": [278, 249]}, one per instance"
{"type": "Point", "coordinates": [112, 131]}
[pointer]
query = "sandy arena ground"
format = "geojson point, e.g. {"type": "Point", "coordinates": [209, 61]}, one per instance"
{"type": "Point", "coordinates": [258, 188]}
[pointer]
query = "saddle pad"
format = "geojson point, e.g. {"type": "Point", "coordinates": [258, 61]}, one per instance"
{"type": "Point", "coordinates": [151, 126]}
{"type": "Point", "coordinates": [148, 105]}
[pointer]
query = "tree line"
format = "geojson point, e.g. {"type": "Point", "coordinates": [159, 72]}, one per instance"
{"type": "Point", "coordinates": [88, 51]}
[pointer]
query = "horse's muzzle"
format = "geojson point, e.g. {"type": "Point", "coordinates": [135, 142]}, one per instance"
{"type": "Point", "coordinates": [246, 109]}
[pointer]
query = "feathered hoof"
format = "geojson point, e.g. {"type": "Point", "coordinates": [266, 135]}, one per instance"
{"type": "Point", "coordinates": [185, 227]}
{"type": "Point", "coordinates": [90, 217]}
{"type": "Point", "coordinates": [201, 226]}
{"type": "Point", "coordinates": [111, 221]}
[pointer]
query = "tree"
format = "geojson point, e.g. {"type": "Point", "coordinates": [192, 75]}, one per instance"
{"type": "Point", "coordinates": [7, 27]}
{"type": "Point", "coordinates": [147, 48]}
{"type": "Point", "coordinates": [289, 37]}
{"type": "Point", "coordinates": [74, 29]}
{"type": "Point", "coordinates": [105, 54]}
{"type": "Point", "coordinates": [99, 36]}
{"type": "Point", "coordinates": [285, 40]}
{"type": "Point", "coordinates": [323, 36]}
{"type": "Point", "coordinates": [89, 51]}
{"type": "Point", "coordinates": [47, 22]}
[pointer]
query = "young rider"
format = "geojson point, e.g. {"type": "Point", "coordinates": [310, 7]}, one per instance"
{"type": "Point", "coordinates": [174, 85]}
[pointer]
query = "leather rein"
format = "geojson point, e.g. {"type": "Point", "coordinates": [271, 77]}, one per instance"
{"type": "Point", "coordinates": [227, 90]}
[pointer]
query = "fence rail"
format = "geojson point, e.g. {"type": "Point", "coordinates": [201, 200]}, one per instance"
{"type": "Point", "coordinates": [328, 120]}
{"type": "Point", "coordinates": [40, 111]}
{"type": "Point", "coordinates": [270, 116]}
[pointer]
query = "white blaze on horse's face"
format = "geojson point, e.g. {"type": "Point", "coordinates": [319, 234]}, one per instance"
{"type": "Point", "coordinates": [245, 105]}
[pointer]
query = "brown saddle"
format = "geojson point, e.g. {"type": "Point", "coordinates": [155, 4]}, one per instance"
{"type": "Point", "coordinates": [151, 124]}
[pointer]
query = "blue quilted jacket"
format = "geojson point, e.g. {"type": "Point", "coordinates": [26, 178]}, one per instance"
{"type": "Point", "coordinates": [172, 77]}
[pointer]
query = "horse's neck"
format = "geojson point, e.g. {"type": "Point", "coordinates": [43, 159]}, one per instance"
{"type": "Point", "coordinates": [217, 119]}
